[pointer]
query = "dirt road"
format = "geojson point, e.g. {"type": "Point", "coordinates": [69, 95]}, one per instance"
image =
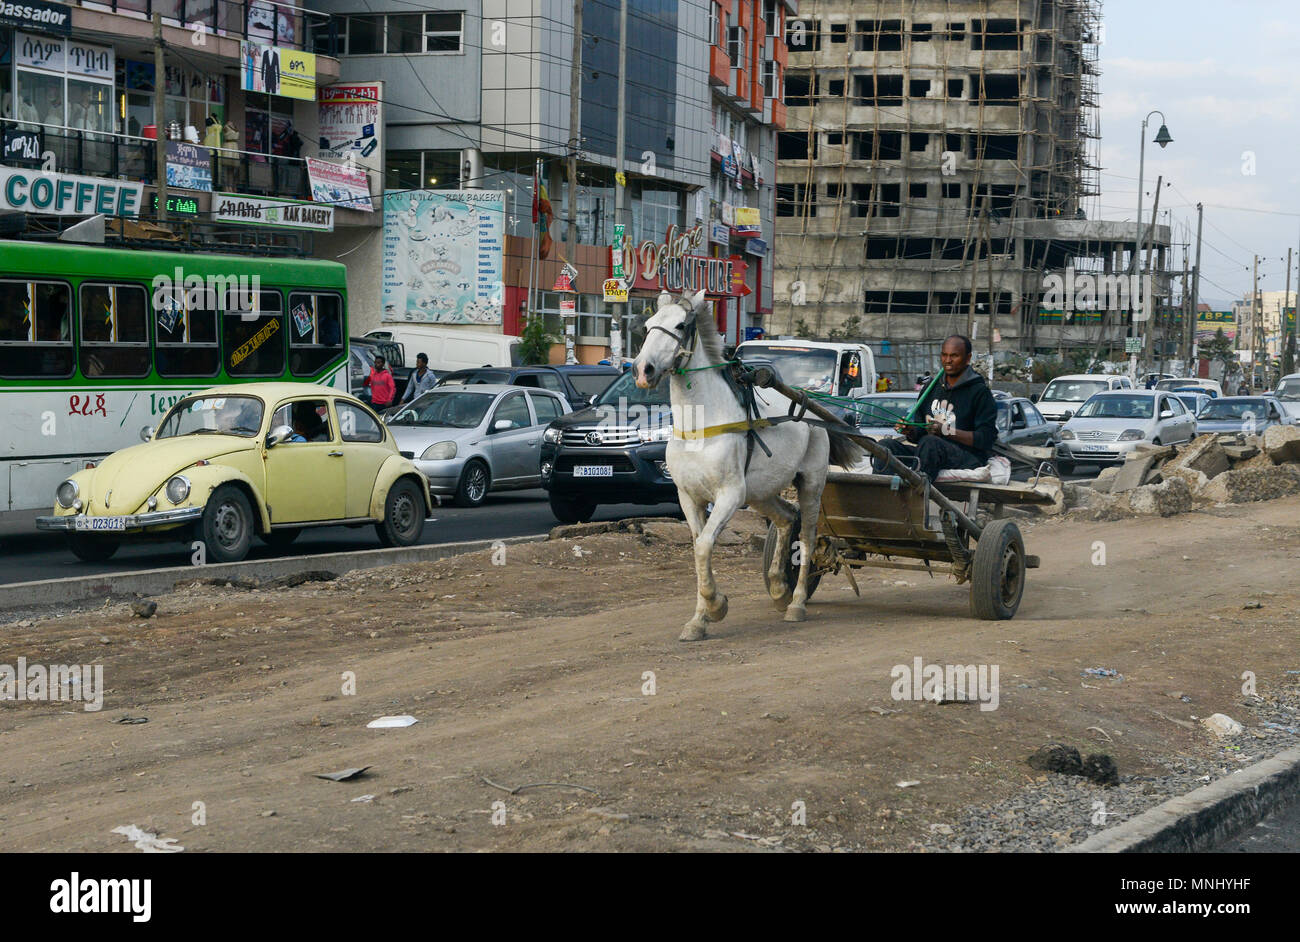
{"type": "Point", "coordinates": [539, 671]}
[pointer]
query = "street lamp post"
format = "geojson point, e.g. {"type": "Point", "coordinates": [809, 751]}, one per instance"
{"type": "Point", "coordinates": [1163, 139]}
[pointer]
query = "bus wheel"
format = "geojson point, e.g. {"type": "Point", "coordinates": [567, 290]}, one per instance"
{"type": "Point", "coordinates": [227, 525]}
{"type": "Point", "coordinates": [92, 549]}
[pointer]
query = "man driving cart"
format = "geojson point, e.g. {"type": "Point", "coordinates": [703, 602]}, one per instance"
{"type": "Point", "coordinates": [960, 418]}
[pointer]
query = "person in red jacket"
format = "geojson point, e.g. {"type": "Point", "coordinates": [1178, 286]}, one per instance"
{"type": "Point", "coordinates": [382, 387]}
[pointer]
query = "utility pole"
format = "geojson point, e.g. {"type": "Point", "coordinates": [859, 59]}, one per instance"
{"type": "Point", "coordinates": [575, 137]}
{"type": "Point", "coordinates": [1286, 299]}
{"type": "Point", "coordinates": [1254, 324]}
{"type": "Point", "coordinates": [159, 117]}
{"type": "Point", "coordinates": [1288, 355]}
{"type": "Point", "coordinates": [1196, 286]}
{"type": "Point", "coordinates": [1145, 296]}
{"type": "Point", "coordinates": [620, 195]}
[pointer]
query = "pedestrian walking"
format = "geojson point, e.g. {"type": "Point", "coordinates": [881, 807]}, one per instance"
{"type": "Point", "coordinates": [421, 381]}
{"type": "Point", "coordinates": [381, 384]}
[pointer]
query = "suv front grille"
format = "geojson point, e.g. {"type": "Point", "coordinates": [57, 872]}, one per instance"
{"type": "Point", "coordinates": [606, 436]}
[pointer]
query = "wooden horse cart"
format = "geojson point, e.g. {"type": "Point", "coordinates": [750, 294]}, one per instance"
{"type": "Point", "coordinates": [900, 520]}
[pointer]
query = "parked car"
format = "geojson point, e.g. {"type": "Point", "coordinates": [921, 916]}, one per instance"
{"type": "Point", "coordinates": [1065, 394]}
{"type": "Point", "coordinates": [1249, 414]}
{"type": "Point", "coordinates": [878, 412]}
{"type": "Point", "coordinates": [1194, 399]}
{"type": "Point", "coordinates": [609, 453]}
{"type": "Point", "coordinates": [469, 440]}
{"type": "Point", "coordinates": [1210, 387]}
{"type": "Point", "coordinates": [1288, 393]}
{"type": "Point", "coordinates": [231, 462]}
{"type": "Point", "coordinates": [1020, 423]}
{"type": "Point", "coordinates": [1111, 424]}
{"type": "Point", "coordinates": [533, 377]}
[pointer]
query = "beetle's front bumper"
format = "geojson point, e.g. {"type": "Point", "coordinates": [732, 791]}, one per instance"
{"type": "Point", "coordinates": [129, 521]}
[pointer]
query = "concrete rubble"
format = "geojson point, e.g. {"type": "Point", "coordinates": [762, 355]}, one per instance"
{"type": "Point", "coordinates": [1225, 468]}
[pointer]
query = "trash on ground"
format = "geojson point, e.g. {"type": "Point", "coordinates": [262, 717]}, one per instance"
{"type": "Point", "coordinates": [391, 722]}
{"type": "Point", "coordinates": [1101, 672]}
{"type": "Point", "coordinates": [1222, 725]}
{"type": "Point", "coordinates": [364, 798]}
{"type": "Point", "coordinates": [149, 843]}
{"type": "Point", "coordinates": [907, 784]}
{"type": "Point", "coordinates": [343, 775]}
{"type": "Point", "coordinates": [131, 720]}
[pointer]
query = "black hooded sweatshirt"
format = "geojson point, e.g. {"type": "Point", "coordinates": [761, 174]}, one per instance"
{"type": "Point", "coordinates": [973, 406]}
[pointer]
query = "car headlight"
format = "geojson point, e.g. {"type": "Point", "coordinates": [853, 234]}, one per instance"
{"type": "Point", "coordinates": [1132, 435]}
{"type": "Point", "coordinates": [66, 493]}
{"type": "Point", "coordinates": [1067, 435]}
{"type": "Point", "coordinates": [177, 489]}
{"type": "Point", "coordinates": [658, 434]}
{"type": "Point", "coordinates": [551, 436]}
{"type": "Point", "coordinates": [439, 451]}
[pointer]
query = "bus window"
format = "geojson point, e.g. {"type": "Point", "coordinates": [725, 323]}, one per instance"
{"type": "Point", "coordinates": [35, 329]}
{"type": "Point", "coordinates": [254, 341]}
{"type": "Point", "coordinates": [186, 336]}
{"type": "Point", "coordinates": [316, 331]}
{"type": "Point", "coordinates": [114, 330]}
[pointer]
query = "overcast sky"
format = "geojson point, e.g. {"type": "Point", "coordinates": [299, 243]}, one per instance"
{"type": "Point", "coordinates": [1227, 77]}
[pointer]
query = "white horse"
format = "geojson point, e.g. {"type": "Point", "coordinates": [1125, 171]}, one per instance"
{"type": "Point", "coordinates": [710, 459]}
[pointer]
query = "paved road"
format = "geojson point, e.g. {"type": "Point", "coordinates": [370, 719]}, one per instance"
{"type": "Point", "coordinates": [27, 555]}
{"type": "Point", "coordinates": [1279, 833]}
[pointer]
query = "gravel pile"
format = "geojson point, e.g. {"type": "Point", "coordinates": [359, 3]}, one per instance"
{"type": "Point", "coordinates": [1065, 809]}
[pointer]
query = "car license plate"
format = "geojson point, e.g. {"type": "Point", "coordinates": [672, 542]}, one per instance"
{"type": "Point", "coordinates": [593, 471]}
{"type": "Point", "coordinates": [100, 523]}
{"type": "Point", "coordinates": [1094, 448]}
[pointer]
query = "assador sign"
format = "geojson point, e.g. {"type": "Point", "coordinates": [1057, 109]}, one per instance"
{"type": "Point", "coordinates": [670, 266]}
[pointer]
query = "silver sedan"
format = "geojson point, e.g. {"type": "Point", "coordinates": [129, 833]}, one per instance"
{"type": "Point", "coordinates": [472, 440]}
{"type": "Point", "coordinates": [1111, 424]}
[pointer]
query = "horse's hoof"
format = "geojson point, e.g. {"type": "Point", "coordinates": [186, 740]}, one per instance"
{"type": "Point", "coordinates": [692, 633]}
{"type": "Point", "coordinates": [718, 610]}
{"type": "Point", "coordinates": [796, 614]}
{"type": "Point", "coordinates": [782, 602]}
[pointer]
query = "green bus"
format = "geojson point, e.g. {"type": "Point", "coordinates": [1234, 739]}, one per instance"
{"type": "Point", "coordinates": [97, 344]}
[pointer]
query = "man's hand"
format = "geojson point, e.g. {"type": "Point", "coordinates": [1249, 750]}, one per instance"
{"type": "Point", "coordinates": [934, 428]}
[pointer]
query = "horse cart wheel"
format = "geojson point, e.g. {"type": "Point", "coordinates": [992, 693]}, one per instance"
{"type": "Point", "coordinates": [998, 574]}
{"type": "Point", "coordinates": [770, 550]}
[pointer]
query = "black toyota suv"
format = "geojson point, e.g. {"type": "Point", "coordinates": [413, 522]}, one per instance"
{"type": "Point", "coordinates": [610, 453]}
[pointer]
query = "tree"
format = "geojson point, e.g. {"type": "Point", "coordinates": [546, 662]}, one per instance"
{"type": "Point", "coordinates": [535, 342]}
{"type": "Point", "coordinates": [801, 328]}
{"type": "Point", "coordinates": [851, 329]}
{"type": "Point", "coordinates": [1220, 348]}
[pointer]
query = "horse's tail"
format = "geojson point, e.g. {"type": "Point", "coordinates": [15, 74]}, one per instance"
{"type": "Point", "coordinates": [845, 452]}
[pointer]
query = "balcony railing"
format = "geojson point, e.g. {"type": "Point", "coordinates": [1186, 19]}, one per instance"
{"type": "Point", "coordinates": [265, 21]}
{"type": "Point", "coordinates": [123, 156]}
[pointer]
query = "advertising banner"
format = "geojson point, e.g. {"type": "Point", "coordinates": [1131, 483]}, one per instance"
{"type": "Point", "coordinates": [351, 123]}
{"type": "Point", "coordinates": [277, 70]}
{"type": "Point", "coordinates": [264, 211]}
{"type": "Point", "coordinates": [443, 256]}
{"type": "Point", "coordinates": [60, 194]}
{"type": "Point", "coordinates": [189, 166]}
{"type": "Point", "coordinates": [339, 185]}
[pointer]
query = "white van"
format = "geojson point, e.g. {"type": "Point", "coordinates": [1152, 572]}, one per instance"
{"type": "Point", "coordinates": [1288, 393]}
{"type": "Point", "coordinates": [450, 349]}
{"type": "Point", "coordinates": [1063, 395]}
{"type": "Point", "coordinates": [839, 369]}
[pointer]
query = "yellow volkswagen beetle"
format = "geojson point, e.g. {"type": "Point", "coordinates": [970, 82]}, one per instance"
{"type": "Point", "coordinates": [228, 463]}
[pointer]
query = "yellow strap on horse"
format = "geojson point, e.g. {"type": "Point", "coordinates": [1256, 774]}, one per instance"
{"type": "Point", "coordinates": [710, 430]}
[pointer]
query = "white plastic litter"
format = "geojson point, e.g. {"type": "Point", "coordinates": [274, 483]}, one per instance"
{"type": "Point", "coordinates": [391, 722]}
{"type": "Point", "coordinates": [1222, 725]}
{"type": "Point", "coordinates": [149, 843]}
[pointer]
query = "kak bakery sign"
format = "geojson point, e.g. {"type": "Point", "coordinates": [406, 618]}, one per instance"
{"type": "Point", "coordinates": [670, 266]}
{"type": "Point", "coordinates": [261, 211]}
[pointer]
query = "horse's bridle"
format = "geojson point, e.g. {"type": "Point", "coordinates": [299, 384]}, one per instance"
{"type": "Point", "coordinates": [683, 353]}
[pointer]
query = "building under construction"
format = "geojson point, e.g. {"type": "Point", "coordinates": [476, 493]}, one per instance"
{"type": "Point", "coordinates": [940, 167]}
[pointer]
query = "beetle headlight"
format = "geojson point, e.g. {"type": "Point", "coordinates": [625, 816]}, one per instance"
{"type": "Point", "coordinates": [440, 451]}
{"type": "Point", "coordinates": [1131, 435]}
{"type": "Point", "coordinates": [551, 436]}
{"type": "Point", "coordinates": [1067, 435]}
{"type": "Point", "coordinates": [178, 488]}
{"type": "Point", "coordinates": [66, 493]}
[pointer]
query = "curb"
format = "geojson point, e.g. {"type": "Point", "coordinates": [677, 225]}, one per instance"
{"type": "Point", "coordinates": [156, 581]}
{"type": "Point", "coordinates": [1200, 820]}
